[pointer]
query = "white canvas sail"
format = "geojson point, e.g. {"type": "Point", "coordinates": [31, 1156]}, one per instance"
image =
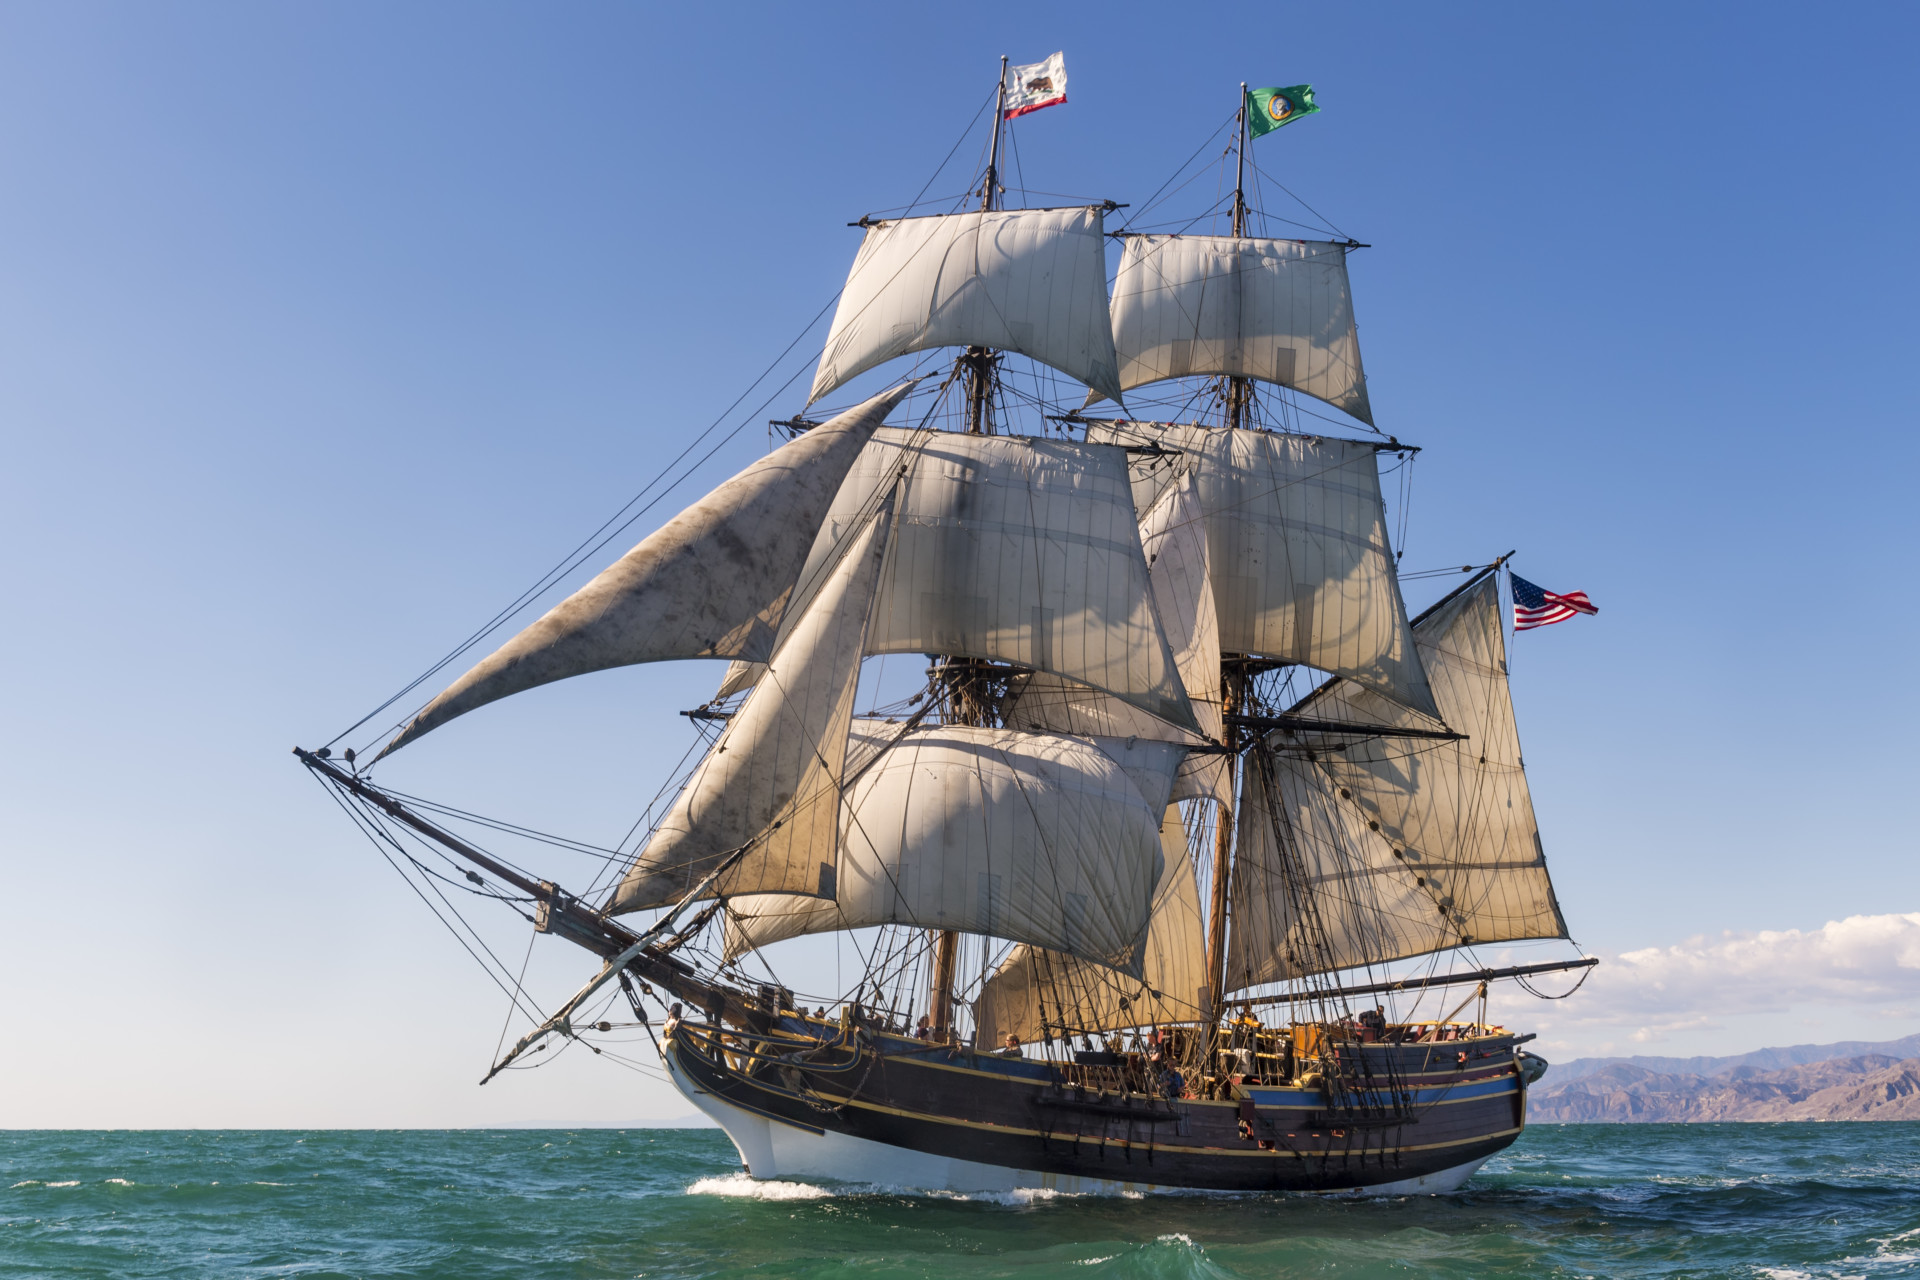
{"type": "Point", "coordinates": [1036, 992]}
{"type": "Point", "coordinates": [714, 582]}
{"type": "Point", "coordinates": [1276, 310]}
{"type": "Point", "coordinates": [1012, 549]}
{"type": "Point", "coordinates": [1174, 537]}
{"type": "Point", "coordinates": [1314, 889]}
{"type": "Point", "coordinates": [1033, 281]}
{"type": "Point", "coordinates": [1297, 550]}
{"type": "Point", "coordinates": [775, 775]}
{"type": "Point", "coordinates": [1038, 838]}
{"type": "Point", "coordinates": [1441, 834]}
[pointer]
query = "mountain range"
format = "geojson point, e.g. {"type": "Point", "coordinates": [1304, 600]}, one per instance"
{"type": "Point", "coordinates": [1851, 1080]}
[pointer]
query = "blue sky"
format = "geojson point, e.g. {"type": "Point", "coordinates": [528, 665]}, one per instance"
{"type": "Point", "coordinates": [326, 329]}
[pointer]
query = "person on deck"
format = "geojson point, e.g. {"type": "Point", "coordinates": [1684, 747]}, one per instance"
{"type": "Point", "coordinates": [1011, 1049]}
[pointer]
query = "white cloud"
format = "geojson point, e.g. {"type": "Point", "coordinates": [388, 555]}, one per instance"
{"type": "Point", "coordinates": [1637, 999]}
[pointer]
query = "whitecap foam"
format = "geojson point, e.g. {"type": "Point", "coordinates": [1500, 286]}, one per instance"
{"type": "Point", "coordinates": [1178, 1237]}
{"type": "Point", "coordinates": [74, 1183]}
{"type": "Point", "coordinates": [119, 1182]}
{"type": "Point", "coordinates": [30, 1182]}
{"type": "Point", "coordinates": [1019, 1197]}
{"type": "Point", "coordinates": [740, 1184]}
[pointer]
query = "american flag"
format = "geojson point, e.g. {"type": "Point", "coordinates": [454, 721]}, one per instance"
{"type": "Point", "coordinates": [1533, 607]}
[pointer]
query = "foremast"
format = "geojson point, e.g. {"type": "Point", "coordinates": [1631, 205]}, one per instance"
{"type": "Point", "coordinates": [966, 688]}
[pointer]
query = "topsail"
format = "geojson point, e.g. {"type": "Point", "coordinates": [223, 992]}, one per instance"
{"type": "Point", "coordinates": [1276, 310]}
{"type": "Point", "coordinates": [1027, 280]}
{"type": "Point", "coordinates": [1296, 549]}
{"type": "Point", "coordinates": [1010, 549]}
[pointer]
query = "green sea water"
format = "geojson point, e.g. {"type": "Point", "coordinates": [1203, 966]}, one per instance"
{"type": "Point", "coordinates": [1780, 1201]}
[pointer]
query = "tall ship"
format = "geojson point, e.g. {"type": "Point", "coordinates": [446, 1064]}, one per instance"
{"type": "Point", "coordinates": [1172, 778]}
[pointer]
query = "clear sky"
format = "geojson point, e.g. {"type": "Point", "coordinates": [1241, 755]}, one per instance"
{"type": "Point", "coordinates": [325, 329]}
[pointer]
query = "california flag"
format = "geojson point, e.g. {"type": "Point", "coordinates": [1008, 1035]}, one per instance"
{"type": "Point", "coordinates": [1040, 84]}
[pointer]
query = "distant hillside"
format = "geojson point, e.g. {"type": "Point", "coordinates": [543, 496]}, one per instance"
{"type": "Point", "coordinates": [1758, 1060]}
{"type": "Point", "coordinates": [1872, 1086]}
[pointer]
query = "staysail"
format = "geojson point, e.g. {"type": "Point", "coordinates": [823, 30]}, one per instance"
{"type": "Point", "coordinates": [1400, 848]}
{"type": "Point", "coordinates": [1011, 549]}
{"type": "Point", "coordinates": [1279, 311]}
{"type": "Point", "coordinates": [1033, 281]}
{"type": "Point", "coordinates": [1297, 549]}
{"type": "Point", "coordinates": [1036, 992]}
{"type": "Point", "coordinates": [1038, 838]}
{"type": "Point", "coordinates": [714, 582]}
{"type": "Point", "coordinates": [775, 775]}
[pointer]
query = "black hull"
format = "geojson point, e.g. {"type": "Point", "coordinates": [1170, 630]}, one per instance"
{"type": "Point", "coordinates": [1026, 1117]}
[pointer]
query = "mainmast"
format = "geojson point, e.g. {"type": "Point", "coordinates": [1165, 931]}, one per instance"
{"type": "Point", "coordinates": [1239, 396]}
{"type": "Point", "coordinates": [1239, 390]}
{"type": "Point", "coordinates": [967, 698]}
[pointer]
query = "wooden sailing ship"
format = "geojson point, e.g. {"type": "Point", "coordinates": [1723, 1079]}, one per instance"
{"type": "Point", "coordinates": [1181, 775]}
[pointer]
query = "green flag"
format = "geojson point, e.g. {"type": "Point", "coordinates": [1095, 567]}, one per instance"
{"type": "Point", "coordinates": [1268, 109]}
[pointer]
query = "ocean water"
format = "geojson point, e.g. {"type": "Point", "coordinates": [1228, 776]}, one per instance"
{"type": "Point", "coordinates": [1780, 1201]}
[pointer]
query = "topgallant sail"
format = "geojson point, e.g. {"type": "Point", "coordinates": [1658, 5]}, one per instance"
{"type": "Point", "coordinates": [1125, 869]}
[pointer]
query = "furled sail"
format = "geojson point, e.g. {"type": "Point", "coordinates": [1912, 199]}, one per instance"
{"type": "Point", "coordinates": [1027, 280]}
{"type": "Point", "coordinates": [775, 775]}
{"type": "Point", "coordinates": [1276, 310]}
{"type": "Point", "coordinates": [714, 582]}
{"type": "Point", "coordinates": [1038, 838]}
{"type": "Point", "coordinates": [1297, 550]}
{"type": "Point", "coordinates": [1174, 538]}
{"type": "Point", "coordinates": [1012, 549]}
{"type": "Point", "coordinates": [1036, 992]}
{"type": "Point", "coordinates": [1406, 847]}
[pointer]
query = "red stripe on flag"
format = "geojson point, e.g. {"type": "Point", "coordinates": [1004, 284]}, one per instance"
{"type": "Point", "coordinates": [1035, 106]}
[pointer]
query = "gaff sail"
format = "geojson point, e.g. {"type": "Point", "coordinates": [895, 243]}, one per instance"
{"type": "Point", "coordinates": [1389, 848]}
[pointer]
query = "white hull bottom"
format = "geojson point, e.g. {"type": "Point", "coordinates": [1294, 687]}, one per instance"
{"type": "Point", "coordinates": [772, 1150]}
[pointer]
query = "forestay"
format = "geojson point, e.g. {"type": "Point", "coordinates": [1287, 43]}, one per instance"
{"type": "Point", "coordinates": [1032, 281]}
{"type": "Point", "coordinates": [1011, 549]}
{"type": "Point", "coordinates": [1174, 538]}
{"type": "Point", "coordinates": [1297, 550]}
{"type": "Point", "coordinates": [775, 775]}
{"type": "Point", "coordinates": [1456, 858]}
{"type": "Point", "coordinates": [1276, 310]}
{"type": "Point", "coordinates": [1035, 993]}
{"type": "Point", "coordinates": [1037, 838]}
{"type": "Point", "coordinates": [714, 582]}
